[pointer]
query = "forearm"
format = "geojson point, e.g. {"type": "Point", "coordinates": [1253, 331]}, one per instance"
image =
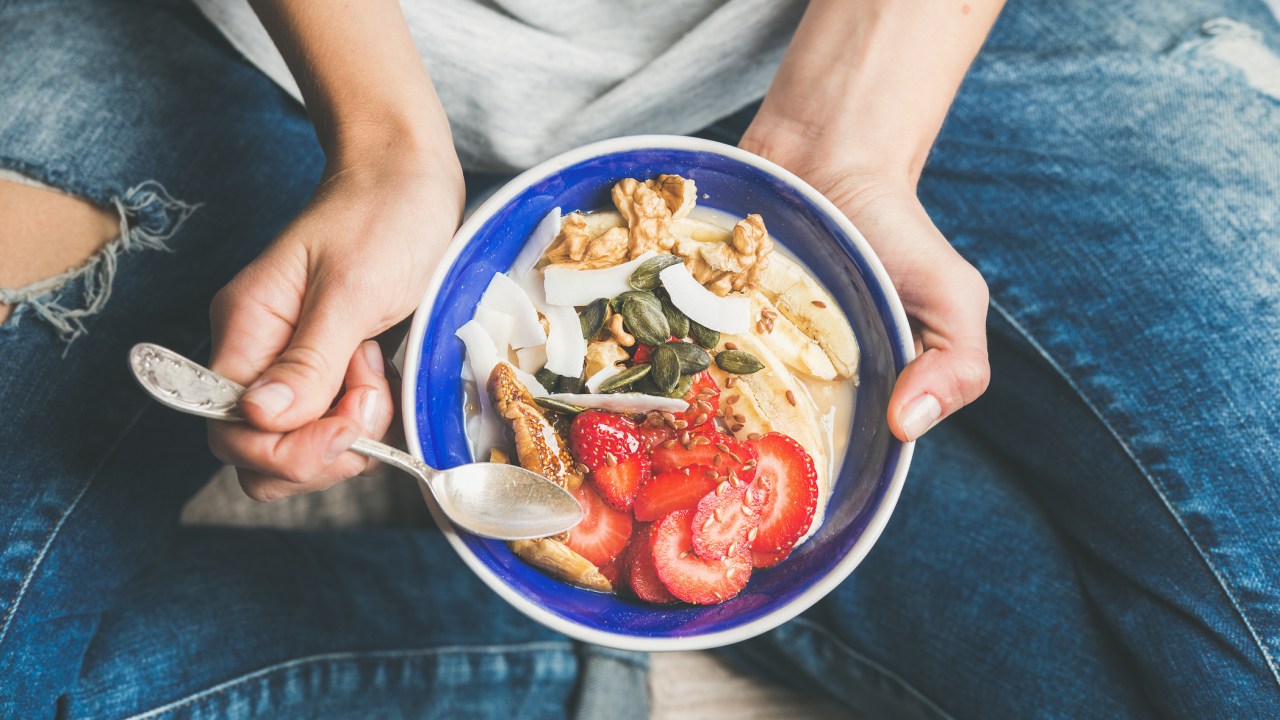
{"type": "Point", "coordinates": [361, 76]}
{"type": "Point", "coordinates": [867, 84]}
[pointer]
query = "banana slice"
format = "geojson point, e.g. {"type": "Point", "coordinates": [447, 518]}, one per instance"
{"type": "Point", "coordinates": [598, 223]}
{"type": "Point", "coordinates": [701, 230]}
{"type": "Point", "coordinates": [772, 398]}
{"type": "Point", "coordinates": [800, 352]}
{"type": "Point", "coordinates": [806, 303]}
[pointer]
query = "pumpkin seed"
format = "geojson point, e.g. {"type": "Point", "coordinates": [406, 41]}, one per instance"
{"type": "Point", "coordinates": [666, 368]}
{"type": "Point", "coordinates": [546, 378]}
{"type": "Point", "coordinates": [646, 321]}
{"type": "Point", "coordinates": [642, 295]}
{"type": "Point", "coordinates": [682, 387]}
{"type": "Point", "coordinates": [570, 384]}
{"type": "Point", "coordinates": [677, 320]}
{"type": "Point", "coordinates": [592, 317]}
{"type": "Point", "coordinates": [704, 336]}
{"type": "Point", "coordinates": [693, 359]}
{"type": "Point", "coordinates": [625, 379]}
{"type": "Point", "coordinates": [645, 277]}
{"type": "Point", "coordinates": [739, 362]}
{"type": "Point", "coordinates": [559, 406]}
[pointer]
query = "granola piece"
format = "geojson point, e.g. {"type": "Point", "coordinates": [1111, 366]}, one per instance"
{"type": "Point", "coordinates": [538, 446]}
{"type": "Point", "coordinates": [602, 354]}
{"type": "Point", "coordinates": [647, 215]}
{"type": "Point", "coordinates": [735, 265]}
{"type": "Point", "coordinates": [557, 559]}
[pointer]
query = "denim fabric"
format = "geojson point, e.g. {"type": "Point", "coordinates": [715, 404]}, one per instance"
{"type": "Point", "coordinates": [1096, 537]}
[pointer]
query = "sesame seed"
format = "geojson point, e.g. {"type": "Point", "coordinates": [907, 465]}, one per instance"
{"type": "Point", "coordinates": [818, 303]}
{"type": "Point", "coordinates": [791, 397]}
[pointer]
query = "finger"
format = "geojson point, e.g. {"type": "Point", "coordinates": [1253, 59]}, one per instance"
{"type": "Point", "coordinates": [310, 458]}
{"type": "Point", "coordinates": [368, 387]}
{"type": "Point", "coordinates": [952, 370]}
{"type": "Point", "coordinates": [301, 383]}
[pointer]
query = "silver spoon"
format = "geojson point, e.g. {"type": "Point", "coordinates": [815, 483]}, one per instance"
{"type": "Point", "coordinates": [492, 500]}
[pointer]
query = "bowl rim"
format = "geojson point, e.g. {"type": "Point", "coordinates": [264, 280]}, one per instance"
{"type": "Point", "coordinates": [900, 332]}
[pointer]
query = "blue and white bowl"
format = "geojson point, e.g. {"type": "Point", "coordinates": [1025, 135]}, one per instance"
{"type": "Point", "coordinates": [875, 465]}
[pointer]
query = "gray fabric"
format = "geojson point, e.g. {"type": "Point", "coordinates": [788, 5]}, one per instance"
{"type": "Point", "coordinates": [522, 80]}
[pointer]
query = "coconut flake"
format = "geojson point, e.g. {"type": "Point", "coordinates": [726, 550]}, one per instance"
{"type": "Point", "coordinates": [498, 325]}
{"type": "Point", "coordinates": [506, 296]}
{"type": "Point", "coordinates": [539, 240]}
{"type": "Point", "coordinates": [593, 383]}
{"type": "Point", "coordinates": [481, 357]}
{"type": "Point", "coordinates": [531, 359]}
{"type": "Point", "coordinates": [624, 402]}
{"type": "Point", "coordinates": [726, 314]}
{"type": "Point", "coordinates": [568, 287]}
{"type": "Point", "coordinates": [535, 388]}
{"type": "Point", "coordinates": [566, 348]}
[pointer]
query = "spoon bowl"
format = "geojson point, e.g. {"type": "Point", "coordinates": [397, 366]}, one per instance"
{"type": "Point", "coordinates": [504, 502]}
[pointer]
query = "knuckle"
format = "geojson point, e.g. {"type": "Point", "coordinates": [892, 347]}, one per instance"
{"type": "Point", "coordinates": [973, 375]}
{"type": "Point", "coordinates": [305, 363]}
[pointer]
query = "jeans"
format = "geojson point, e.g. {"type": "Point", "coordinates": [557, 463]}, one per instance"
{"type": "Point", "coordinates": [1095, 537]}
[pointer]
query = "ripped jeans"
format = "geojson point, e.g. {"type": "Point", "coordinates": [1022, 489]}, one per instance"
{"type": "Point", "coordinates": [1096, 537]}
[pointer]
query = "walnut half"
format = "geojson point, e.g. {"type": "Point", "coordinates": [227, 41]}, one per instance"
{"type": "Point", "coordinates": [575, 248]}
{"type": "Point", "coordinates": [724, 267]}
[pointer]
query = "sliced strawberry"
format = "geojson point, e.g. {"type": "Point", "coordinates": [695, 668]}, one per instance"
{"type": "Point", "coordinates": [642, 575]}
{"type": "Point", "coordinates": [597, 436]}
{"type": "Point", "coordinates": [654, 431]}
{"type": "Point", "coordinates": [725, 519]}
{"type": "Point", "coordinates": [786, 471]}
{"type": "Point", "coordinates": [767, 560]}
{"type": "Point", "coordinates": [603, 532]}
{"type": "Point", "coordinates": [678, 489]}
{"type": "Point", "coordinates": [619, 483]}
{"type": "Point", "coordinates": [642, 353]}
{"type": "Point", "coordinates": [615, 571]}
{"type": "Point", "coordinates": [718, 450]}
{"type": "Point", "coordinates": [689, 577]}
{"type": "Point", "coordinates": [704, 402]}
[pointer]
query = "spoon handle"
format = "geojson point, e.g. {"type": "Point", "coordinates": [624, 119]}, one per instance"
{"type": "Point", "coordinates": [189, 387]}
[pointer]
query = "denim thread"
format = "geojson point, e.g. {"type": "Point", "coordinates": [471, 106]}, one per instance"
{"type": "Point", "coordinates": [330, 657]}
{"type": "Point", "coordinates": [1155, 486]}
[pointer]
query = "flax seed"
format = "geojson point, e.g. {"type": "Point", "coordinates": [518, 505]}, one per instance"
{"type": "Point", "coordinates": [791, 398]}
{"type": "Point", "coordinates": [739, 417]}
{"type": "Point", "coordinates": [724, 485]}
{"type": "Point", "coordinates": [754, 436]}
{"type": "Point", "coordinates": [768, 313]}
{"type": "Point", "coordinates": [722, 447]}
{"type": "Point", "coordinates": [701, 418]}
{"type": "Point", "coordinates": [733, 399]}
{"type": "Point", "coordinates": [668, 444]}
{"type": "Point", "coordinates": [750, 463]}
{"type": "Point", "coordinates": [731, 381]}
{"type": "Point", "coordinates": [735, 429]}
{"type": "Point", "coordinates": [818, 303]}
{"type": "Point", "coordinates": [736, 458]}
{"type": "Point", "coordinates": [684, 437]}
{"type": "Point", "coordinates": [699, 440]}
{"type": "Point", "coordinates": [730, 346]}
{"type": "Point", "coordinates": [680, 425]}
{"type": "Point", "coordinates": [759, 328]}
{"type": "Point", "coordinates": [717, 459]}
{"type": "Point", "coordinates": [611, 459]}
{"type": "Point", "coordinates": [710, 474]}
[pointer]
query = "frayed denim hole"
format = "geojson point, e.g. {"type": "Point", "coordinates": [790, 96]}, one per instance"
{"type": "Point", "coordinates": [1237, 45]}
{"type": "Point", "coordinates": [148, 215]}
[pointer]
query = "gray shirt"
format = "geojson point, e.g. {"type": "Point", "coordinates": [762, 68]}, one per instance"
{"type": "Point", "coordinates": [522, 80]}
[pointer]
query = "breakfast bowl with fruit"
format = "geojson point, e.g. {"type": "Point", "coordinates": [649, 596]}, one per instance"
{"type": "Point", "coordinates": [700, 348]}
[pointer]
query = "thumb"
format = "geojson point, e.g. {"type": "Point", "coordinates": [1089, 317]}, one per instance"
{"type": "Point", "coordinates": [301, 383]}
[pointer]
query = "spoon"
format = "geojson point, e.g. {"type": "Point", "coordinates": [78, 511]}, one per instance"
{"type": "Point", "coordinates": [493, 500]}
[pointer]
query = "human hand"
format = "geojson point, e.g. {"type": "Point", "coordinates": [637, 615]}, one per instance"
{"type": "Point", "coordinates": [293, 324]}
{"type": "Point", "coordinates": [944, 296]}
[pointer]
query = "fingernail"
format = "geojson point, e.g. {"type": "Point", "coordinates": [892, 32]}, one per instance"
{"type": "Point", "coordinates": [370, 405]}
{"type": "Point", "coordinates": [919, 415]}
{"type": "Point", "coordinates": [273, 397]}
{"type": "Point", "coordinates": [340, 443]}
{"type": "Point", "coordinates": [373, 358]}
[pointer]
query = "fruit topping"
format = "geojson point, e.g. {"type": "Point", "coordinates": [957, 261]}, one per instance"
{"type": "Point", "coordinates": [603, 532]}
{"type": "Point", "coordinates": [504, 295]}
{"type": "Point", "coordinates": [641, 572]}
{"type": "Point", "coordinates": [600, 439]}
{"type": "Point", "coordinates": [767, 560]}
{"type": "Point", "coordinates": [689, 577]}
{"type": "Point", "coordinates": [717, 450]}
{"type": "Point", "coordinates": [704, 403]}
{"type": "Point", "coordinates": [618, 484]}
{"type": "Point", "coordinates": [724, 314]}
{"type": "Point", "coordinates": [678, 489]}
{"type": "Point", "coordinates": [787, 472]}
{"type": "Point", "coordinates": [726, 519]}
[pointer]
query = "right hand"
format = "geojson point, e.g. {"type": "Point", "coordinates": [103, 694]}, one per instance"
{"type": "Point", "coordinates": [944, 296]}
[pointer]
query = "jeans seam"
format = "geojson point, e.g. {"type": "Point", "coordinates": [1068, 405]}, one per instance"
{"type": "Point", "coordinates": [346, 656]}
{"type": "Point", "coordinates": [1151, 480]}
{"type": "Point", "coordinates": [867, 662]}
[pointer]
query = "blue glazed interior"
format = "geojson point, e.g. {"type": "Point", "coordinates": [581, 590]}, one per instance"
{"type": "Point", "coordinates": [804, 229]}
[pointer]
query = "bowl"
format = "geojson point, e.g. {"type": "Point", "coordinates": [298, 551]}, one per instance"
{"type": "Point", "coordinates": [729, 179]}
